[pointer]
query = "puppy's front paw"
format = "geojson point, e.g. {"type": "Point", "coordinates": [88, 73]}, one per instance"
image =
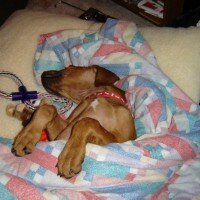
{"type": "Point", "coordinates": [25, 142]}
{"type": "Point", "coordinates": [69, 162]}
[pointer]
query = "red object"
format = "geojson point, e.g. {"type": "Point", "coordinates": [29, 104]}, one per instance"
{"type": "Point", "coordinates": [150, 5]}
{"type": "Point", "coordinates": [112, 96]}
{"type": "Point", "coordinates": [43, 136]}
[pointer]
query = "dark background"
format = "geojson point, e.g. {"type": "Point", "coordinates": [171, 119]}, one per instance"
{"type": "Point", "coordinates": [190, 15]}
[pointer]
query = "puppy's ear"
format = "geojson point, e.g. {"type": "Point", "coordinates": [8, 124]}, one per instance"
{"type": "Point", "coordinates": [104, 77]}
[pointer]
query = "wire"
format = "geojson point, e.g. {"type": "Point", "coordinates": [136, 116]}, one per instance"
{"type": "Point", "coordinates": [66, 103]}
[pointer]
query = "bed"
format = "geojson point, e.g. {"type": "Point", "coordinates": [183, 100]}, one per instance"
{"type": "Point", "coordinates": [158, 69]}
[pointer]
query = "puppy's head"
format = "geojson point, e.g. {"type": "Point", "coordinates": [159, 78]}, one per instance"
{"type": "Point", "coordinates": [73, 82]}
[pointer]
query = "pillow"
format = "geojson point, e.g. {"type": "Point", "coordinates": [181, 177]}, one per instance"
{"type": "Point", "coordinates": [18, 43]}
{"type": "Point", "coordinates": [19, 36]}
{"type": "Point", "coordinates": [178, 54]}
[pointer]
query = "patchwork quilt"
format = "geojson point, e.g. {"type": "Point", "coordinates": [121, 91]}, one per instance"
{"type": "Point", "coordinates": [163, 163]}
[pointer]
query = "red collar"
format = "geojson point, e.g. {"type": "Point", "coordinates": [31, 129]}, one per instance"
{"type": "Point", "coordinates": [111, 95]}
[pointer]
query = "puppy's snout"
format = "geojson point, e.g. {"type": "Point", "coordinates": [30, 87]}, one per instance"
{"type": "Point", "coordinates": [50, 77]}
{"type": "Point", "coordinates": [50, 81]}
{"type": "Point", "coordinates": [51, 74]}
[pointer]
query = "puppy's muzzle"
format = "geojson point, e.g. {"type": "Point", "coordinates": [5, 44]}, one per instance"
{"type": "Point", "coordinates": [51, 74]}
{"type": "Point", "coordinates": [49, 80]}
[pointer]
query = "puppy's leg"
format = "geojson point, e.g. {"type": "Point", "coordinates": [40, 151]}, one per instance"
{"type": "Point", "coordinates": [55, 127]}
{"type": "Point", "coordinates": [26, 140]}
{"type": "Point", "coordinates": [72, 119]}
{"type": "Point", "coordinates": [84, 131]}
{"type": "Point", "coordinates": [78, 110]}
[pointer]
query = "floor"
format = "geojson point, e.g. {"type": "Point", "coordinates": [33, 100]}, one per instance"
{"type": "Point", "coordinates": [106, 6]}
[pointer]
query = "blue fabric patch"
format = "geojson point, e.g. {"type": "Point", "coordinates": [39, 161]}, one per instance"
{"type": "Point", "coordinates": [49, 149]}
{"type": "Point", "coordinates": [89, 37]}
{"type": "Point", "coordinates": [44, 65]}
{"type": "Point", "coordinates": [43, 46]}
{"type": "Point", "coordinates": [193, 136]}
{"type": "Point", "coordinates": [6, 141]}
{"type": "Point", "coordinates": [156, 152]}
{"type": "Point", "coordinates": [71, 42]}
{"type": "Point", "coordinates": [170, 173]}
{"type": "Point", "coordinates": [169, 84]}
{"type": "Point", "coordinates": [125, 85]}
{"type": "Point", "coordinates": [88, 45]}
{"type": "Point", "coordinates": [108, 29]}
{"type": "Point", "coordinates": [30, 174]}
{"type": "Point", "coordinates": [5, 193]}
{"type": "Point", "coordinates": [194, 125]}
{"type": "Point", "coordinates": [137, 38]}
{"type": "Point", "coordinates": [41, 170]}
{"type": "Point", "coordinates": [119, 150]}
{"type": "Point", "coordinates": [132, 191]}
{"type": "Point", "coordinates": [140, 81]}
{"type": "Point", "coordinates": [140, 128]}
{"type": "Point", "coordinates": [138, 65]}
{"type": "Point", "coordinates": [105, 168]}
{"type": "Point", "coordinates": [119, 69]}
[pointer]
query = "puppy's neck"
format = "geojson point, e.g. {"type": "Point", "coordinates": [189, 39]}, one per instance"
{"type": "Point", "coordinates": [111, 91]}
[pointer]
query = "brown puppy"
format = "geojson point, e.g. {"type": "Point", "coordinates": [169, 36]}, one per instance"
{"type": "Point", "coordinates": [101, 116]}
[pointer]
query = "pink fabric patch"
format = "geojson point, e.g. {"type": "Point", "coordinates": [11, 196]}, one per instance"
{"type": "Point", "coordinates": [173, 127]}
{"type": "Point", "coordinates": [144, 50]}
{"type": "Point", "coordinates": [120, 28]}
{"type": "Point", "coordinates": [102, 181]}
{"type": "Point", "coordinates": [23, 190]}
{"type": "Point", "coordinates": [107, 49]}
{"type": "Point", "coordinates": [19, 164]}
{"type": "Point", "coordinates": [183, 105]}
{"type": "Point", "coordinates": [43, 37]}
{"type": "Point", "coordinates": [92, 196]}
{"type": "Point", "coordinates": [182, 146]}
{"type": "Point", "coordinates": [177, 92]}
{"type": "Point", "coordinates": [130, 177]}
{"type": "Point", "coordinates": [46, 160]}
{"type": "Point", "coordinates": [155, 110]}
